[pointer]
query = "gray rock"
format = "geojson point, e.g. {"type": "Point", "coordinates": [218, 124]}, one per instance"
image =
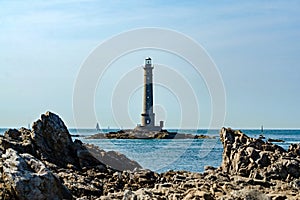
{"type": "Point", "coordinates": [26, 177]}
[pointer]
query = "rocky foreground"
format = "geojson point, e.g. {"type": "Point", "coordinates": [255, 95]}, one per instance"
{"type": "Point", "coordinates": [137, 134]}
{"type": "Point", "coordinates": [44, 163]}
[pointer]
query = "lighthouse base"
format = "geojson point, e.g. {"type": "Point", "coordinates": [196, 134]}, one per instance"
{"type": "Point", "coordinates": [148, 128]}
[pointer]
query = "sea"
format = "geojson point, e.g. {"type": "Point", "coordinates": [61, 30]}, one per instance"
{"type": "Point", "coordinates": [177, 154]}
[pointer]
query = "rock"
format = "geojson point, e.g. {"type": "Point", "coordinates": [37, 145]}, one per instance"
{"type": "Point", "coordinates": [249, 157]}
{"type": "Point", "coordinates": [113, 159]}
{"type": "Point", "coordinates": [53, 140]}
{"type": "Point", "coordinates": [13, 134]}
{"type": "Point", "coordinates": [197, 194]}
{"type": "Point", "coordinates": [19, 140]}
{"type": "Point", "coordinates": [138, 134]}
{"type": "Point", "coordinates": [296, 184]}
{"type": "Point", "coordinates": [280, 197]}
{"type": "Point", "coordinates": [128, 195]}
{"type": "Point", "coordinates": [293, 168]}
{"type": "Point", "coordinates": [295, 149]}
{"type": "Point", "coordinates": [274, 140]}
{"type": "Point", "coordinates": [26, 177]}
{"type": "Point", "coordinates": [249, 194]}
{"type": "Point", "coordinates": [207, 168]}
{"type": "Point", "coordinates": [263, 160]}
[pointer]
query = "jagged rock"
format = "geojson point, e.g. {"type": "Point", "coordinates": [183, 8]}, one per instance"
{"type": "Point", "coordinates": [49, 140]}
{"type": "Point", "coordinates": [249, 157]}
{"type": "Point", "coordinates": [19, 140]}
{"type": "Point", "coordinates": [26, 177]}
{"type": "Point", "coordinates": [53, 140]}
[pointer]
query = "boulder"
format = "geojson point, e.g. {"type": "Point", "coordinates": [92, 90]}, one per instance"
{"type": "Point", "coordinates": [26, 177]}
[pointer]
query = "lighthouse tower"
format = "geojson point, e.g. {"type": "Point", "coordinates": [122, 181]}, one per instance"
{"type": "Point", "coordinates": [148, 116]}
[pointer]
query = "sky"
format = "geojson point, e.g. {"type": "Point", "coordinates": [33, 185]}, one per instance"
{"type": "Point", "coordinates": [255, 46]}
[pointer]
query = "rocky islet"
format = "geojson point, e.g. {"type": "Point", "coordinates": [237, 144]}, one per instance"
{"type": "Point", "coordinates": [138, 134]}
{"type": "Point", "coordinates": [44, 163]}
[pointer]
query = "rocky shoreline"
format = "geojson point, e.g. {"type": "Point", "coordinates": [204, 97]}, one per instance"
{"type": "Point", "coordinates": [136, 134]}
{"type": "Point", "coordinates": [44, 163]}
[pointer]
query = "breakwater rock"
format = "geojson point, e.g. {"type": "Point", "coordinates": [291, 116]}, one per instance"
{"type": "Point", "coordinates": [137, 134]}
{"type": "Point", "coordinates": [45, 163]}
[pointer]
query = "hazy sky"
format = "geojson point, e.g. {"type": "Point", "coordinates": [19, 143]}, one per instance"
{"type": "Point", "coordinates": [254, 44]}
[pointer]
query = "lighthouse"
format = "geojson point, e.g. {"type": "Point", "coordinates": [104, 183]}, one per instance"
{"type": "Point", "coordinates": [148, 116]}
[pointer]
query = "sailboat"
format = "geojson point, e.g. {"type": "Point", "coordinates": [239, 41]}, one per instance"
{"type": "Point", "coordinates": [261, 136]}
{"type": "Point", "coordinates": [97, 127]}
